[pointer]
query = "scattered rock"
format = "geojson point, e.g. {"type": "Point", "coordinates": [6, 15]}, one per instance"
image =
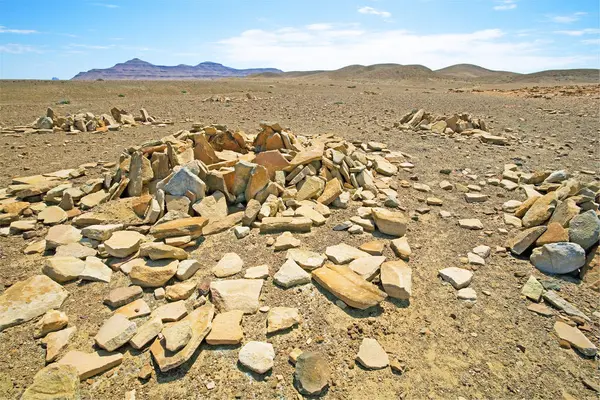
{"type": "Point", "coordinates": [291, 274]}
{"type": "Point", "coordinates": [115, 332]}
{"type": "Point", "coordinates": [281, 318]}
{"type": "Point", "coordinates": [371, 355]}
{"type": "Point", "coordinates": [55, 381]}
{"type": "Point", "coordinates": [458, 277]}
{"type": "Point", "coordinates": [558, 258]}
{"type": "Point", "coordinates": [236, 294]}
{"type": "Point", "coordinates": [226, 328]}
{"type": "Point", "coordinates": [575, 338]}
{"type": "Point", "coordinates": [396, 278]}
{"type": "Point", "coordinates": [90, 364]}
{"type": "Point", "coordinates": [312, 373]}
{"type": "Point", "coordinates": [257, 356]}
{"type": "Point", "coordinates": [230, 264]}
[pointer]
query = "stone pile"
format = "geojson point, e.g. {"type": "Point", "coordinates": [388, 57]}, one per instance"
{"type": "Point", "coordinates": [560, 220]}
{"type": "Point", "coordinates": [85, 122]}
{"type": "Point", "coordinates": [463, 124]}
{"type": "Point", "coordinates": [161, 198]}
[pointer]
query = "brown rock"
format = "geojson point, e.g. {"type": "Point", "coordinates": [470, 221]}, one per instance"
{"type": "Point", "coordinates": [540, 211]}
{"type": "Point", "coordinates": [226, 328]}
{"type": "Point", "coordinates": [554, 233]}
{"type": "Point", "coordinates": [154, 273]}
{"type": "Point", "coordinates": [90, 364]}
{"type": "Point", "coordinates": [259, 178]}
{"type": "Point", "coordinates": [374, 247]}
{"type": "Point", "coordinates": [273, 161]}
{"type": "Point", "coordinates": [179, 227]}
{"type": "Point", "coordinates": [332, 190]}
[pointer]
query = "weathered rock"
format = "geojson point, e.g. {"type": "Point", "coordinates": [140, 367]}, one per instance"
{"type": "Point", "coordinates": [371, 355]}
{"type": "Point", "coordinates": [251, 212]}
{"type": "Point", "coordinates": [396, 278]}
{"type": "Point", "coordinates": [176, 336]}
{"type": "Point", "coordinates": [309, 212]}
{"type": "Point", "coordinates": [259, 178]}
{"type": "Point", "coordinates": [75, 250]}
{"type": "Point", "coordinates": [115, 332]}
{"type": "Point", "coordinates": [95, 270]}
{"type": "Point", "coordinates": [187, 268]}
{"type": "Point", "coordinates": [236, 294]}
{"type": "Point", "coordinates": [230, 264]}
{"type": "Point", "coordinates": [123, 243]}
{"type": "Point", "coordinates": [307, 259]}
{"type": "Point", "coordinates": [257, 356]}
{"type": "Point", "coordinates": [183, 181]}
{"type": "Point", "coordinates": [281, 318]}
{"type": "Point", "coordinates": [540, 211]}
{"type": "Point", "coordinates": [154, 273]}
{"type": "Point", "coordinates": [63, 269]}
{"type": "Point", "coordinates": [200, 322]}
{"type": "Point", "coordinates": [56, 342]}
{"type": "Point", "coordinates": [291, 274]}
{"type": "Point", "coordinates": [550, 296]}
{"type": "Point", "coordinates": [179, 227]}
{"type": "Point", "coordinates": [59, 235]}
{"type": "Point", "coordinates": [312, 373]}
{"type": "Point", "coordinates": [458, 277]}
{"type": "Point", "coordinates": [401, 248]}
{"type": "Point", "coordinates": [258, 272]}
{"type": "Point", "coordinates": [147, 332]}
{"type": "Point", "coordinates": [135, 309]}
{"type": "Point", "coordinates": [348, 286]}
{"type": "Point", "coordinates": [558, 258]}
{"type": "Point", "coordinates": [575, 338]}
{"type": "Point", "coordinates": [533, 289]}
{"type": "Point", "coordinates": [374, 247]}
{"type": "Point", "coordinates": [524, 239]}
{"type": "Point", "coordinates": [160, 251]}
{"type": "Point", "coordinates": [367, 267]}
{"type": "Point", "coordinates": [333, 189]}
{"type": "Point", "coordinates": [226, 328]}
{"type": "Point", "coordinates": [93, 199]}
{"type": "Point", "coordinates": [120, 296]}
{"type": "Point", "coordinates": [470, 223]}
{"type": "Point", "coordinates": [482, 251]}
{"type": "Point", "coordinates": [554, 233]}
{"type": "Point", "coordinates": [90, 364]}
{"type": "Point", "coordinates": [286, 241]}
{"type": "Point", "coordinates": [474, 259]}
{"type": "Point", "coordinates": [212, 207]}
{"type": "Point", "coordinates": [180, 291]}
{"type": "Point", "coordinates": [52, 215]}
{"type": "Point", "coordinates": [390, 222]}
{"type": "Point", "coordinates": [282, 224]}
{"type": "Point", "coordinates": [584, 229]}
{"type": "Point", "coordinates": [343, 253]}
{"type": "Point", "coordinates": [223, 224]}
{"type": "Point", "coordinates": [53, 320]}
{"type": "Point", "coordinates": [170, 312]}
{"type": "Point", "coordinates": [565, 211]}
{"type": "Point", "coordinates": [54, 382]}
{"type": "Point", "coordinates": [311, 188]}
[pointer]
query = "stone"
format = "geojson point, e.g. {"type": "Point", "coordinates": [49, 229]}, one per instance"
{"type": "Point", "coordinates": [390, 222]}
{"type": "Point", "coordinates": [367, 267]}
{"type": "Point", "coordinates": [93, 199]}
{"type": "Point", "coordinates": [364, 223]}
{"type": "Point", "coordinates": [371, 355]}
{"type": "Point", "coordinates": [467, 294]}
{"type": "Point", "coordinates": [176, 336]}
{"type": "Point", "coordinates": [281, 318]}
{"type": "Point", "coordinates": [470, 223]}
{"type": "Point", "coordinates": [200, 322]}
{"type": "Point", "coordinates": [53, 320]}
{"type": "Point", "coordinates": [257, 356]}
{"type": "Point", "coordinates": [212, 207]}
{"type": "Point", "coordinates": [307, 259]}
{"type": "Point", "coordinates": [550, 296]}
{"type": "Point", "coordinates": [135, 309]}
{"type": "Point", "coordinates": [29, 299]}
{"type": "Point", "coordinates": [458, 277]}
{"type": "Point", "coordinates": [286, 241]}
{"type": "Point", "coordinates": [521, 210]}
{"type": "Point", "coordinates": [540, 211]}
{"type": "Point", "coordinates": [565, 211]}
{"type": "Point", "coordinates": [421, 187]}
{"type": "Point", "coordinates": [63, 269]}
{"type": "Point", "coordinates": [230, 264]}
{"type": "Point", "coordinates": [356, 230]}
{"type": "Point", "coordinates": [187, 268]}
{"type": "Point", "coordinates": [349, 287]}
{"type": "Point", "coordinates": [540, 309]}
{"type": "Point", "coordinates": [184, 180]}
{"type": "Point", "coordinates": [226, 328]}
{"type": "Point", "coordinates": [333, 189]}
{"type": "Point", "coordinates": [56, 342]}
{"type": "Point", "coordinates": [52, 215]}
{"type": "Point", "coordinates": [241, 231]}
{"type": "Point", "coordinates": [123, 295]}
{"type": "Point", "coordinates": [180, 227]}
{"type": "Point", "coordinates": [401, 248]}
{"type": "Point", "coordinates": [482, 251]}
{"type": "Point", "coordinates": [282, 224]}
{"type": "Point", "coordinates": [374, 247]}
{"type": "Point", "coordinates": [90, 364]}
{"type": "Point", "coordinates": [533, 289]}
{"type": "Point", "coordinates": [259, 178]}
{"type": "Point", "coordinates": [475, 197]}
{"type": "Point", "coordinates": [54, 382]}
{"type": "Point", "coordinates": [159, 293]}
{"type": "Point", "coordinates": [312, 373]}
{"type": "Point", "coordinates": [396, 279]}
{"type": "Point", "coordinates": [584, 229]}
{"type": "Point", "coordinates": [309, 212]}
{"type": "Point", "coordinates": [511, 206]}
{"type": "Point", "coordinates": [474, 259]}
{"type": "Point", "coordinates": [160, 251]}
{"type": "Point", "coordinates": [343, 253]}
{"type": "Point", "coordinates": [524, 239]}
{"type": "Point", "coordinates": [251, 212]}
{"type": "Point", "coordinates": [291, 274]}
{"type": "Point", "coordinates": [575, 338]}
{"type": "Point", "coordinates": [180, 291]}
{"type": "Point", "coordinates": [75, 250]}
{"type": "Point", "coordinates": [177, 203]}
{"type": "Point", "coordinates": [37, 247]}
{"type": "Point", "coordinates": [553, 234]}
{"type": "Point", "coordinates": [557, 176]}
{"type": "Point", "coordinates": [310, 189]}
{"type": "Point", "coordinates": [115, 332]}
{"type": "Point", "coordinates": [178, 241]}
{"type": "Point", "coordinates": [170, 312]}
{"type": "Point", "coordinates": [512, 221]}
{"type": "Point", "coordinates": [272, 160]}
{"type": "Point", "coordinates": [123, 243]}
{"type": "Point", "coordinates": [258, 272]}
{"type": "Point", "coordinates": [95, 270]}
{"type": "Point", "coordinates": [236, 294]}
{"type": "Point", "coordinates": [59, 235]}
{"type": "Point", "coordinates": [153, 273]}
{"type": "Point", "coordinates": [558, 258]}
{"type": "Point", "coordinates": [19, 227]}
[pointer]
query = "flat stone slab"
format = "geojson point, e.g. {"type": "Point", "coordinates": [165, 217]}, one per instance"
{"type": "Point", "coordinates": [458, 277]}
{"type": "Point", "coordinates": [200, 321]}
{"type": "Point", "coordinates": [135, 309]}
{"type": "Point", "coordinates": [371, 355]}
{"type": "Point", "coordinates": [367, 267]}
{"type": "Point", "coordinates": [229, 264]}
{"type": "Point", "coordinates": [226, 328]}
{"type": "Point", "coordinates": [291, 274]}
{"type": "Point", "coordinates": [575, 338]}
{"type": "Point", "coordinates": [348, 286]}
{"type": "Point", "coordinates": [312, 373]}
{"type": "Point", "coordinates": [90, 364]}
{"type": "Point", "coordinates": [29, 299]}
{"type": "Point", "coordinates": [146, 333]}
{"type": "Point", "coordinates": [57, 341]}
{"type": "Point", "coordinates": [257, 356]}
{"type": "Point", "coordinates": [115, 332]}
{"type": "Point", "coordinates": [396, 278]}
{"type": "Point", "coordinates": [307, 259]}
{"type": "Point", "coordinates": [54, 382]}
{"type": "Point", "coordinates": [63, 269]}
{"type": "Point", "coordinates": [280, 318]}
{"type": "Point", "coordinates": [343, 253]}
{"type": "Point", "coordinates": [120, 296]}
{"type": "Point", "coordinates": [470, 223]}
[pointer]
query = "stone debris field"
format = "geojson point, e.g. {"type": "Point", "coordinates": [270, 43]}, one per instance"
{"type": "Point", "coordinates": [149, 231]}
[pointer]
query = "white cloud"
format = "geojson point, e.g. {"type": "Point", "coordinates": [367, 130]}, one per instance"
{"type": "Point", "coordinates": [15, 48]}
{"type": "Point", "coordinates": [293, 49]}
{"type": "Point", "coordinates": [506, 5]}
{"type": "Point", "coordinates": [373, 11]}
{"type": "Point", "coordinates": [319, 27]}
{"type": "Point", "coordinates": [105, 5]}
{"type": "Point", "coordinates": [580, 32]}
{"type": "Point", "coordinates": [591, 41]}
{"type": "Point", "coordinates": [89, 46]}
{"type": "Point", "coordinates": [566, 19]}
{"type": "Point", "coordinates": [4, 29]}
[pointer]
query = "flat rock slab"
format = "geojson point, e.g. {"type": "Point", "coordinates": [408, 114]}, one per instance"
{"type": "Point", "coordinates": [146, 333]}
{"type": "Point", "coordinates": [75, 250]}
{"type": "Point", "coordinates": [90, 364]}
{"type": "Point", "coordinates": [135, 309]}
{"type": "Point", "coordinates": [257, 356]}
{"type": "Point", "coordinates": [374, 247]}
{"type": "Point", "coordinates": [291, 274]}
{"type": "Point", "coordinates": [280, 318]}
{"type": "Point", "coordinates": [346, 285]}
{"type": "Point", "coordinates": [367, 267]}
{"type": "Point", "coordinates": [63, 269]}
{"type": "Point", "coordinates": [391, 223]}
{"type": "Point", "coordinates": [171, 311]}
{"type": "Point", "coordinates": [229, 264]}
{"type": "Point", "coordinates": [258, 272]}
{"type": "Point", "coordinates": [179, 227]}
{"type": "Point", "coordinates": [153, 273]}
{"type": "Point", "coordinates": [123, 243]}
{"type": "Point", "coordinates": [307, 259]}
{"type": "Point", "coordinates": [470, 223]}
{"type": "Point", "coordinates": [371, 355]}
{"type": "Point", "coordinates": [120, 296]}
{"type": "Point", "coordinates": [226, 328]}
{"type": "Point", "coordinates": [524, 239]}
{"type": "Point", "coordinates": [200, 321]}
{"type": "Point", "coordinates": [115, 332]}
{"type": "Point", "coordinates": [343, 253]}
{"type": "Point", "coordinates": [396, 278]}
{"type": "Point", "coordinates": [312, 373]}
{"type": "Point", "coordinates": [95, 270]}
{"type": "Point", "coordinates": [57, 341]}
{"type": "Point", "coordinates": [29, 299]}
{"type": "Point", "coordinates": [458, 277]}
{"type": "Point", "coordinates": [236, 294]}
{"type": "Point", "coordinates": [54, 382]}
{"type": "Point", "coordinates": [282, 224]}
{"type": "Point", "coordinates": [575, 338]}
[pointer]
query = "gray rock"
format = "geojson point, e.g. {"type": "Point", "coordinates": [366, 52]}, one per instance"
{"type": "Point", "coordinates": [184, 180]}
{"type": "Point", "coordinates": [558, 258]}
{"type": "Point", "coordinates": [585, 229]}
{"type": "Point", "coordinates": [312, 373]}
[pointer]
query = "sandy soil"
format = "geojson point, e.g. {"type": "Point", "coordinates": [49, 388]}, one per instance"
{"type": "Point", "coordinates": [494, 349]}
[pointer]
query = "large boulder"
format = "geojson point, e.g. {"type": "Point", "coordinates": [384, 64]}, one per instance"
{"type": "Point", "coordinates": [558, 258]}
{"type": "Point", "coordinates": [584, 229]}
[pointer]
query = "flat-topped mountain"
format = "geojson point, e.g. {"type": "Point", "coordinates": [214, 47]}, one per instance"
{"type": "Point", "coordinates": [137, 69]}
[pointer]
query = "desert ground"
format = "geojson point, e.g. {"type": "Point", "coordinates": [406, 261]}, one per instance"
{"type": "Point", "coordinates": [491, 348]}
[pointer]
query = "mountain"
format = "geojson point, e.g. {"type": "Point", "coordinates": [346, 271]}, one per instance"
{"type": "Point", "coordinates": [137, 69]}
{"type": "Point", "coordinates": [471, 71]}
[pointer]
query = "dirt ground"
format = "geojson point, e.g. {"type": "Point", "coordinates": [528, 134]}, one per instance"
{"type": "Point", "coordinates": [492, 349]}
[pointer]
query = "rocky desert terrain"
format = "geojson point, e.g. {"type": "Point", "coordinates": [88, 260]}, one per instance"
{"type": "Point", "coordinates": [318, 236]}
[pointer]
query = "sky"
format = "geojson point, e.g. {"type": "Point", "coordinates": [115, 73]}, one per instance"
{"type": "Point", "coordinates": [41, 39]}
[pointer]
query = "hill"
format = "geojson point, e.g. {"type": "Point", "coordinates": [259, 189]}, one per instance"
{"type": "Point", "coordinates": [471, 71]}
{"type": "Point", "coordinates": [137, 69]}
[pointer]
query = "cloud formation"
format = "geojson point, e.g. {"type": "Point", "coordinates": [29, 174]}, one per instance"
{"type": "Point", "coordinates": [566, 19]}
{"type": "Point", "coordinates": [373, 11]}
{"type": "Point", "coordinates": [580, 32]}
{"type": "Point", "coordinates": [506, 5]}
{"type": "Point", "coordinates": [16, 48]}
{"type": "Point", "coordinates": [4, 29]}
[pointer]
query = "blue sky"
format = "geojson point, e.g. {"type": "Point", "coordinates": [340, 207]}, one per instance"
{"type": "Point", "coordinates": [41, 39]}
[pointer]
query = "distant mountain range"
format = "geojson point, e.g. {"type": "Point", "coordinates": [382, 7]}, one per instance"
{"type": "Point", "coordinates": [137, 69]}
